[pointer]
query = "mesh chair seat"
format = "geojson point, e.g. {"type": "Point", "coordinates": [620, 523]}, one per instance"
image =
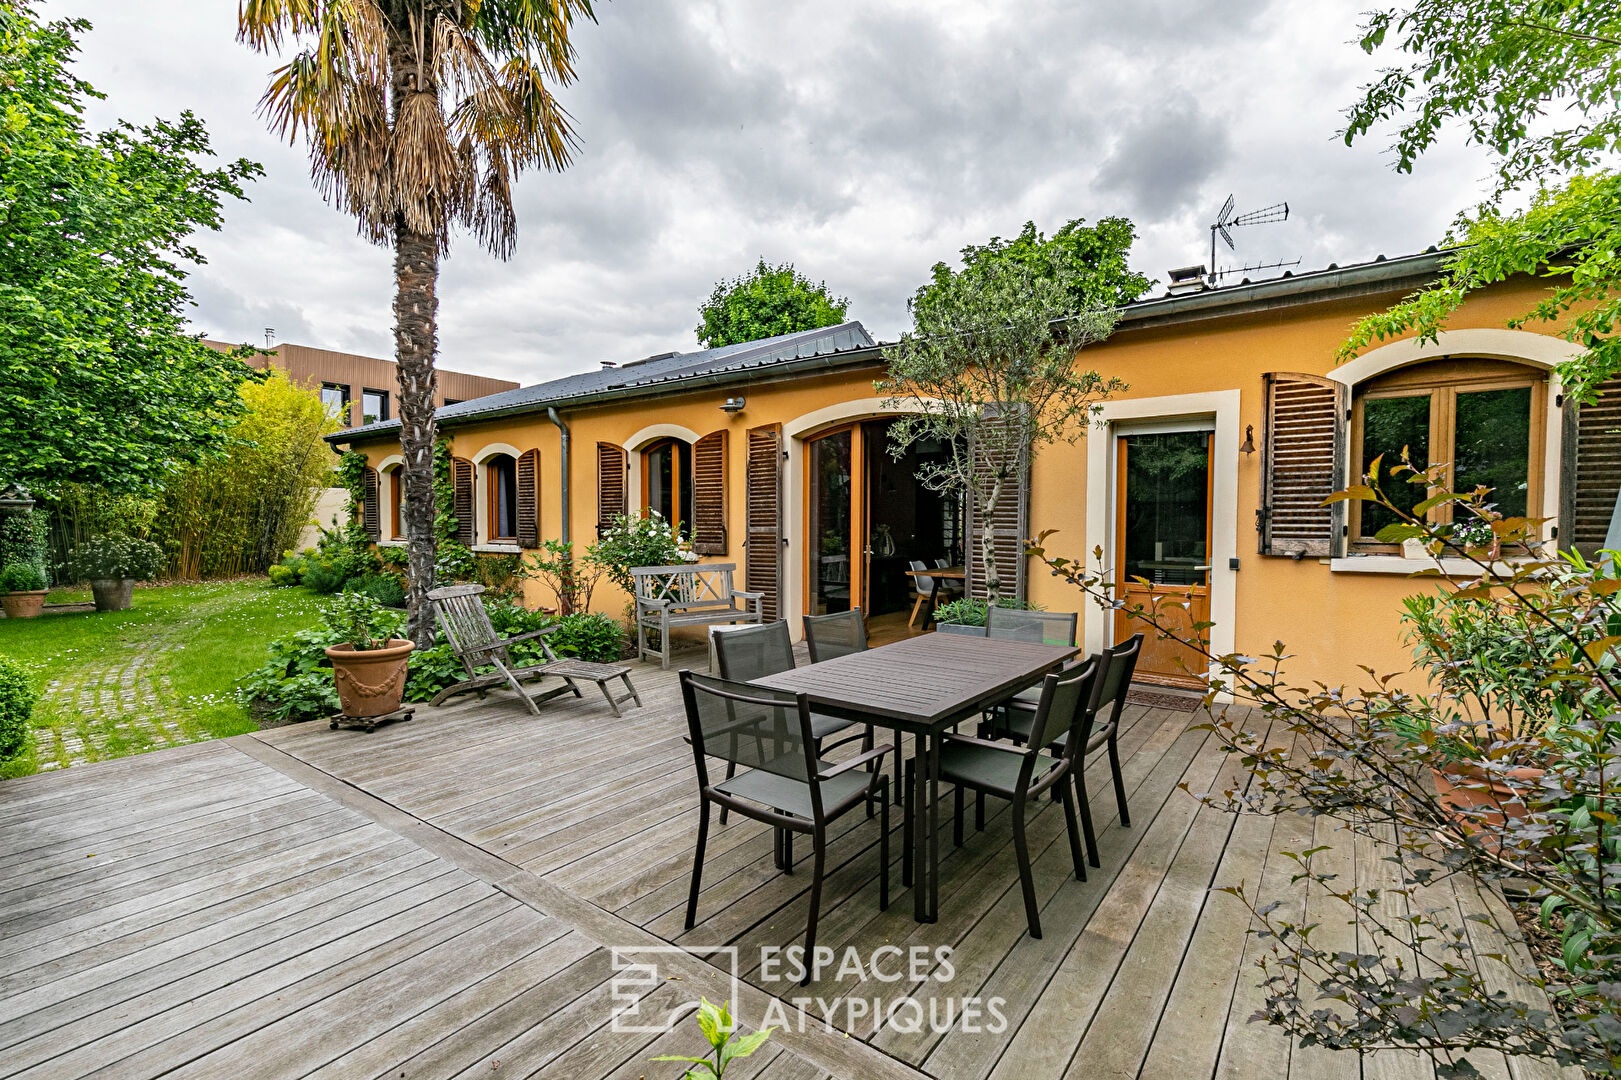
{"type": "Point", "coordinates": [823, 725]}
{"type": "Point", "coordinates": [1018, 723]}
{"type": "Point", "coordinates": [793, 796]}
{"type": "Point", "coordinates": [984, 768]}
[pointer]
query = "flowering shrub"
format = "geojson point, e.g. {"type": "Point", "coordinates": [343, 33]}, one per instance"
{"type": "Point", "coordinates": [638, 541]}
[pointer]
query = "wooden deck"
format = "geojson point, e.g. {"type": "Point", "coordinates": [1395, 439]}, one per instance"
{"type": "Point", "coordinates": [441, 898]}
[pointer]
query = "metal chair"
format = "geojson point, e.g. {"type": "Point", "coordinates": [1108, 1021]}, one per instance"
{"type": "Point", "coordinates": [835, 635]}
{"type": "Point", "coordinates": [785, 784]}
{"type": "Point", "coordinates": [1102, 728]}
{"type": "Point", "coordinates": [1022, 773]}
{"type": "Point", "coordinates": [1050, 627]}
{"type": "Point", "coordinates": [757, 651]}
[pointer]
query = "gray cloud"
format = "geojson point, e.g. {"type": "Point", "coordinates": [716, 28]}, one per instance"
{"type": "Point", "coordinates": [861, 141]}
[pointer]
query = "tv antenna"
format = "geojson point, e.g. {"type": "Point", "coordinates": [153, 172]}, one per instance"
{"type": "Point", "coordinates": [1227, 221]}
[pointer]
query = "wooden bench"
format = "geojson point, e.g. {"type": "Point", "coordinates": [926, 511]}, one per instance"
{"type": "Point", "coordinates": [693, 594]}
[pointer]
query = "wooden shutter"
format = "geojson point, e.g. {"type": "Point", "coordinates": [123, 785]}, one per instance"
{"type": "Point", "coordinates": [1590, 471]}
{"type": "Point", "coordinates": [461, 472]}
{"type": "Point", "coordinates": [709, 494]}
{"type": "Point", "coordinates": [371, 517]}
{"type": "Point", "coordinates": [1303, 455]}
{"type": "Point", "coordinates": [613, 467]}
{"type": "Point", "coordinates": [529, 499]}
{"type": "Point", "coordinates": [1009, 524]}
{"type": "Point", "coordinates": [762, 564]}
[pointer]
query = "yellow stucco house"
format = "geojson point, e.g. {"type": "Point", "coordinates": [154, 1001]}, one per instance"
{"type": "Point", "coordinates": [1205, 478]}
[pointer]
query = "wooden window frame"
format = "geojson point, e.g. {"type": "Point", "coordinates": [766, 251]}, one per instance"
{"type": "Point", "coordinates": [492, 500]}
{"type": "Point", "coordinates": [1442, 381]}
{"type": "Point", "coordinates": [677, 481]}
{"type": "Point", "coordinates": [396, 499]}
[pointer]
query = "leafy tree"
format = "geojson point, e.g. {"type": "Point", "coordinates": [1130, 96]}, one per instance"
{"type": "Point", "coordinates": [1534, 81]}
{"type": "Point", "coordinates": [418, 114]}
{"type": "Point", "coordinates": [1091, 260]}
{"type": "Point", "coordinates": [989, 368]}
{"type": "Point", "coordinates": [98, 382]}
{"type": "Point", "coordinates": [768, 301]}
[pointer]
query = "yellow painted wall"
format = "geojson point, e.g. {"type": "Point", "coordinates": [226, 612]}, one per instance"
{"type": "Point", "coordinates": [1334, 622]}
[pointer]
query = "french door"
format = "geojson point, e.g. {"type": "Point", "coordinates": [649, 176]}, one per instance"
{"type": "Point", "coordinates": [835, 521]}
{"type": "Point", "coordinates": [1162, 548]}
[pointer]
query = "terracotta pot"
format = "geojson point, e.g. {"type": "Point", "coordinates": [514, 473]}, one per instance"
{"type": "Point", "coordinates": [23, 605]}
{"type": "Point", "coordinates": [113, 594]}
{"type": "Point", "coordinates": [1465, 786]}
{"type": "Point", "coordinates": [371, 682]}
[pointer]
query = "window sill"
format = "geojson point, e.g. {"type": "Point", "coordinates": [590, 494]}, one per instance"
{"type": "Point", "coordinates": [391, 543]}
{"type": "Point", "coordinates": [497, 549]}
{"type": "Point", "coordinates": [1397, 564]}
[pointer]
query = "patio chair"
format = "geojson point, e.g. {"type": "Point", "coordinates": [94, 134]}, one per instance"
{"type": "Point", "coordinates": [928, 591]}
{"type": "Point", "coordinates": [754, 652]}
{"type": "Point", "coordinates": [785, 784]}
{"type": "Point", "coordinates": [461, 614]}
{"type": "Point", "coordinates": [828, 637]}
{"type": "Point", "coordinates": [1101, 728]}
{"type": "Point", "coordinates": [1020, 774]}
{"type": "Point", "coordinates": [1051, 627]}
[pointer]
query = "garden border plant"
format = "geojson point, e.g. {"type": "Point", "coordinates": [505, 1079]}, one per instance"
{"type": "Point", "coordinates": [1367, 757]}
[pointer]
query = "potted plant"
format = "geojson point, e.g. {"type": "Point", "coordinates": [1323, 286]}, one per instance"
{"type": "Point", "coordinates": [22, 590]}
{"type": "Point", "coordinates": [369, 663]}
{"type": "Point", "coordinates": [112, 565]}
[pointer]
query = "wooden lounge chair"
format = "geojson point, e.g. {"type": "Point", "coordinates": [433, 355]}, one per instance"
{"type": "Point", "coordinates": [467, 626]}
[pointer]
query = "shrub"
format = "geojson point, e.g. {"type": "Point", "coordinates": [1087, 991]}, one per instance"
{"type": "Point", "coordinates": [17, 700]}
{"type": "Point", "coordinates": [104, 557]}
{"type": "Point", "coordinates": [966, 611]}
{"type": "Point", "coordinates": [387, 589]}
{"type": "Point", "coordinates": [638, 541]}
{"type": "Point", "coordinates": [22, 540]}
{"type": "Point", "coordinates": [325, 575]}
{"type": "Point", "coordinates": [589, 636]}
{"type": "Point", "coordinates": [21, 577]}
{"type": "Point", "coordinates": [295, 682]}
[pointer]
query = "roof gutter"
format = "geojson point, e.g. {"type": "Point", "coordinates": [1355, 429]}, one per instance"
{"type": "Point", "coordinates": [564, 437]}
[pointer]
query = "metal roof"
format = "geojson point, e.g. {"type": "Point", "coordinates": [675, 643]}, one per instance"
{"type": "Point", "coordinates": [645, 373]}
{"type": "Point", "coordinates": [849, 344]}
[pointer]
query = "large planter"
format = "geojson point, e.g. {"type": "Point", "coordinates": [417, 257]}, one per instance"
{"type": "Point", "coordinates": [371, 681]}
{"type": "Point", "coordinates": [23, 605]}
{"type": "Point", "coordinates": [1478, 801]}
{"type": "Point", "coordinates": [113, 594]}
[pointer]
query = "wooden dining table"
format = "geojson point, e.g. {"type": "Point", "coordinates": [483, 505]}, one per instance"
{"type": "Point", "coordinates": [922, 687]}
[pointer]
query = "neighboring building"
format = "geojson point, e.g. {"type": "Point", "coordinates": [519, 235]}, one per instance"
{"type": "Point", "coordinates": [359, 390]}
{"type": "Point", "coordinates": [1205, 478]}
{"type": "Point", "coordinates": [366, 389]}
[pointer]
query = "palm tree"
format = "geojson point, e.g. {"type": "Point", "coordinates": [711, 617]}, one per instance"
{"type": "Point", "coordinates": [418, 114]}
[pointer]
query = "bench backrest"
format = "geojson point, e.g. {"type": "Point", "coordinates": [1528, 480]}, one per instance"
{"type": "Point", "coordinates": [692, 585]}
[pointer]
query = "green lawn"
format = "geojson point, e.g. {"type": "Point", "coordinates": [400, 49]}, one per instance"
{"type": "Point", "coordinates": [161, 673]}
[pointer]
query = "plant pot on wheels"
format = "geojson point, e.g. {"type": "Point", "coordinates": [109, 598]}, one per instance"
{"type": "Point", "coordinates": [23, 605]}
{"type": "Point", "coordinates": [113, 594]}
{"type": "Point", "coordinates": [1481, 802]}
{"type": "Point", "coordinates": [371, 682]}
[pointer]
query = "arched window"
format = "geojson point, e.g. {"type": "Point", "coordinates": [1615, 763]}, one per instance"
{"type": "Point", "coordinates": [667, 481]}
{"type": "Point", "coordinates": [1484, 419]}
{"type": "Point", "coordinates": [501, 499]}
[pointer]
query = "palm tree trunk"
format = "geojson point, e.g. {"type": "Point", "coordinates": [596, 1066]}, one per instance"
{"type": "Point", "coordinates": [416, 305]}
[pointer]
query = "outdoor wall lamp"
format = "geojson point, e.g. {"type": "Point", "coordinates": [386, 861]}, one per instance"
{"type": "Point", "coordinates": [732, 405]}
{"type": "Point", "coordinates": [1249, 440]}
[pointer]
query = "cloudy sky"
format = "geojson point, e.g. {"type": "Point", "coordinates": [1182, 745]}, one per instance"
{"type": "Point", "coordinates": [862, 140]}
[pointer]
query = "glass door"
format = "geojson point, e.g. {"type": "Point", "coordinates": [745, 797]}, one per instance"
{"type": "Point", "coordinates": [833, 565]}
{"type": "Point", "coordinates": [1162, 547]}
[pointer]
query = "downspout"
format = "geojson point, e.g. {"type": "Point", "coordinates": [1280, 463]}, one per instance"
{"type": "Point", "coordinates": [563, 466]}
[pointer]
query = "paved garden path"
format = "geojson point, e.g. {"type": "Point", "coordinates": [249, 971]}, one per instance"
{"type": "Point", "coordinates": [119, 701]}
